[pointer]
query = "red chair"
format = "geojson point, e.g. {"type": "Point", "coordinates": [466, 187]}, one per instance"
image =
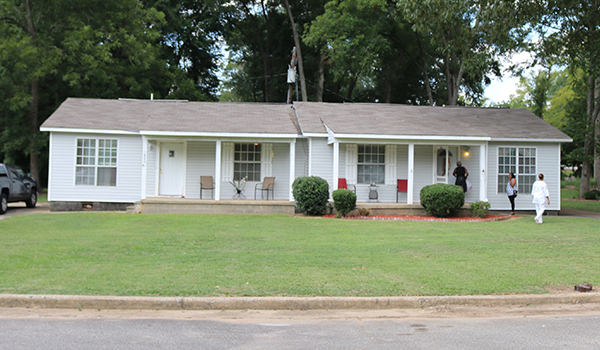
{"type": "Point", "coordinates": [343, 184]}
{"type": "Point", "coordinates": [402, 187]}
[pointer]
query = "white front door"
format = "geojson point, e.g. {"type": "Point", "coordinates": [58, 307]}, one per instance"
{"type": "Point", "coordinates": [444, 157]}
{"type": "Point", "coordinates": [172, 169]}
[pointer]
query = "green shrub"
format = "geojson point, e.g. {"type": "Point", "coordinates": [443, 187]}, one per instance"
{"type": "Point", "coordinates": [311, 194]}
{"type": "Point", "coordinates": [480, 209]}
{"type": "Point", "coordinates": [344, 201]}
{"type": "Point", "coordinates": [593, 194]}
{"type": "Point", "coordinates": [442, 200]}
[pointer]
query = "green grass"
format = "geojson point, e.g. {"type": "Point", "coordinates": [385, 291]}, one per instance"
{"type": "Point", "coordinates": [209, 255]}
{"type": "Point", "coordinates": [569, 200]}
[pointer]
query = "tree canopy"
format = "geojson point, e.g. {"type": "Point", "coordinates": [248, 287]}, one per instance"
{"type": "Point", "coordinates": [432, 52]}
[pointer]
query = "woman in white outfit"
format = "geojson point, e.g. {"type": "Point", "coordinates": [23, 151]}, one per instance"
{"type": "Point", "coordinates": [540, 195]}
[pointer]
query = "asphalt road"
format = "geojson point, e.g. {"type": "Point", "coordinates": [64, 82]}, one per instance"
{"type": "Point", "coordinates": [546, 332]}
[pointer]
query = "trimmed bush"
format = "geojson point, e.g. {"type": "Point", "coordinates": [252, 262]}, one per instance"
{"type": "Point", "coordinates": [344, 201]}
{"type": "Point", "coordinates": [311, 194]}
{"type": "Point", "coordinates": [480, 209]}
{"type": "Point", "coordinates": [593, 194]}
{"type": "Point", "coordinates": [442, 200]}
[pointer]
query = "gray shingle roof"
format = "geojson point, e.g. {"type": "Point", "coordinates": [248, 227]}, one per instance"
{"type": "Point", "coordinates": [341, 118]}
{"type": "Point", "coordinates": [137, 115]}
{"type": "Point", "coordinates": [390, 119]}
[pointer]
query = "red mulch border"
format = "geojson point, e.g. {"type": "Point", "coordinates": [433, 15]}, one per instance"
{"type": "Point", "coordinates": [488, 218]}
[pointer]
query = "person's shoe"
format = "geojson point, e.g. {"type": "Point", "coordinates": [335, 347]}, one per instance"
{"type": "Point", "coordinates": [512, 213]}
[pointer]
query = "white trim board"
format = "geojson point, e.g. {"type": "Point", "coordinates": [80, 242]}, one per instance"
{"type": "Point", "coordinates": [89, 131]}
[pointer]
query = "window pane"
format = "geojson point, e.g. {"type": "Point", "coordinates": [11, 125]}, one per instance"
{"type": "Point", "coordinates": [247, 161]}
{"type": "Point", "coordinates": [371, 164]}
{"type": "Point", "coordinates": [107, 176]}
{"type": "Point", "coordinates": [84, 176]}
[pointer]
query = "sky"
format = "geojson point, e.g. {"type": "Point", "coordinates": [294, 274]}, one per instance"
{"type": "Point", "coordinates": [502, 87]}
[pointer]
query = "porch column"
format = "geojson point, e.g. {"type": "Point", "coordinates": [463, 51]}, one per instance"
{"type": "Point", "coordinates": [144, 166]}
{"type": "Point", "coordinates": [292, 167]}
{"type": "Point", "coordinates": [336, 164]}
{"type": "Point", "coordinates": [483, 173]}
{"type": "Point", "coordinates": [218, 170]}
{"type": "Point", "coordinates": [411, 171]}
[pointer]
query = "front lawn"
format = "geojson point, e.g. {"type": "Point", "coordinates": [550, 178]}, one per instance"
{"type": "Point", "coordinates": [209, 255]}
{"type": "Point", "coordinates": [569, 200]}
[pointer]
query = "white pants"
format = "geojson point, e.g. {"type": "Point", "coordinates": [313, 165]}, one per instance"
{"type": "Point", "coordinates": [539, 211]}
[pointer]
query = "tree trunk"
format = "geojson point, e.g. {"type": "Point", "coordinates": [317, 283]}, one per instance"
{"type": "Point", "coordinates": [588, 143]}
{"type": "Point", "coordinates": [34, 167]}
{"type": "Point", "coordinates": [351, 88]}
{"type": "Point", "coordinates": [425, 70]}
{"type": "Point", "coordinates": [298, 52]}
{"type": "Point", "coordinates": [428, 87]}
{"type": "Point", "coordinates": [596, 119]}
{"type": "Point", "coordinates": [320, 86]}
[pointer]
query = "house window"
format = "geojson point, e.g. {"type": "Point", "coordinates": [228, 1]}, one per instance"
{"type": "Point", "coordinates": [371, 164]}
{"type": "Point", "coordinates": [96, 162]}
{"type": "Point", "coordinates": [246, 161]}
{"type": "Point", "coordinates": [519, 160]}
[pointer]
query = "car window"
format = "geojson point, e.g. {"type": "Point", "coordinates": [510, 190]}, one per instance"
{"type": "Point", "coordinates": [20, 173]}
{"type": "Point", "coordinates": [2, 170]}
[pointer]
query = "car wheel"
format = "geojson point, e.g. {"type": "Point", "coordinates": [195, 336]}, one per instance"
{"type": "Point", "coordinates": [3, 203]}
{"type": "Point", "coordinates": [32, 200]}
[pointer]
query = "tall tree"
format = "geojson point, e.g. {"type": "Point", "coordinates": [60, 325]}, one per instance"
{"type": "Point", "coordinates": [371, 51]}
{"type": "Point", "coordinates": [298, 50]}
{"type": "Point", "coordinates": [466, 37]}
{"type": "Point", "coordinates": [570, 30]}
{"type": "Point", "coordinates": [52, 50]}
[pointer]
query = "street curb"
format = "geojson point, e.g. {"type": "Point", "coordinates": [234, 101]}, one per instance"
{"type": "Point", "coordinates": [285, 303]}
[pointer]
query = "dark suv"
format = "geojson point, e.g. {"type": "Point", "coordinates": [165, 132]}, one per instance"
{"type": "Point", "coordinates": [16, 186]}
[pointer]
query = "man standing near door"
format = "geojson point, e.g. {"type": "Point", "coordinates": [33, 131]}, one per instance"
{"type": "Point", "coordinates": [540, 195]}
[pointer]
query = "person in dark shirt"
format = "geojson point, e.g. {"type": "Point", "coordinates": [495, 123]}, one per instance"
{"type": "Point", "coordinates": [461, 173]}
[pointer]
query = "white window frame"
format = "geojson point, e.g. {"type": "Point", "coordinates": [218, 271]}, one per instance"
{"type": "Point", "coordinates": [259, 162]}
{"type": "Point", "coordinates": [95, 166]}
{"type": "Point", "coordinates": [358, 163]}
{"type": "Point", "coordinates": [517, 173]}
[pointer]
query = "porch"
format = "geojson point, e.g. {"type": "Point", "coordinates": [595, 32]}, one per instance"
{"type": "Point", "coordinates": [395, 171]}
{"type": "Point", "coordinates": [173, 167]}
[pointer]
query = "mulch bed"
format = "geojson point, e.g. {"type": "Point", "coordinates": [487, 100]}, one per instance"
{"type": "Point", "coordinates": [488, 218]}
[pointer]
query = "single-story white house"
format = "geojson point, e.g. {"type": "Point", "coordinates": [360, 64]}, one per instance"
{"type": "Point", "coordinates": [123, 151]}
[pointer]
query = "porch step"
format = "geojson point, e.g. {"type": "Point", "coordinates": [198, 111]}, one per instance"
{"type": "Point", "coordinates": [209, 206]}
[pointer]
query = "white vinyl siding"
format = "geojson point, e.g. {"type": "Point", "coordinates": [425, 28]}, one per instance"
{"type": "Point", "coordinates": [322, 160]}
{"type": "Point", "coordinates": [128, 162]}
{"type": "Point", "coordinates": [200, 162]}
{"type": "Point", "coordinates": [547, 162]}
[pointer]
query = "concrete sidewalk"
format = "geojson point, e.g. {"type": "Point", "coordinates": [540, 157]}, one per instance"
{"type": "Point", "coordinates": [288, 303]}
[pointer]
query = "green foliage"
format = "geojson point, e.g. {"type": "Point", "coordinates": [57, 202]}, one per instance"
{"type": "Point", "coordinates": [466, 37]}
{"type": "Point", "coordinates": [311, 194]}
{"type": "Point", "coordinates": [480, 209]}
{"type": "Point", "coordinates": [592, 194]}
{"type": "Point", "coordinates": [344, 201]}
{"type": "Point", "coordinates": [442, 200]}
